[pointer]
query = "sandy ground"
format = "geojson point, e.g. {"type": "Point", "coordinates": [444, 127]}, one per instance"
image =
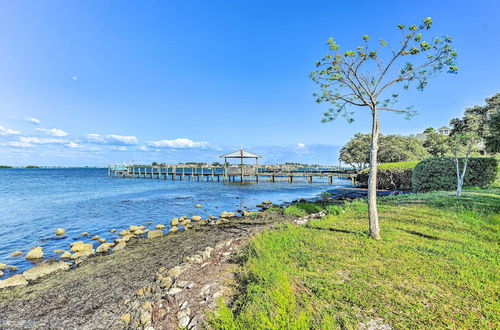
{"type": "Point", "coordinates": [91, 295]}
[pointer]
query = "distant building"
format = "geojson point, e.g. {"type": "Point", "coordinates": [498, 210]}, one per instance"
{"type": "Point", "coordinates": [444, 130]}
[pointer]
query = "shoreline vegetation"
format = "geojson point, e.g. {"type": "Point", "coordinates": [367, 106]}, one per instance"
{"type": "Point", "coordinates": [436, 267]}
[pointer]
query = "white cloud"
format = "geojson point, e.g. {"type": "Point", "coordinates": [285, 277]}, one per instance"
{"type": "Point", "coordinates": [74, 78]}
{"type": "Point", "coordinates": [73, 145]}
{"type": "Point", "coordinates": [17, 144]}
{"type": "Point", "coordinates": [53, 132]}
{"type": "Point", "coordinates": [301, 145]}
{"type": "Point", "coordinates": [179, 143]}
{"type": "Point", "coordinates": [33, 120]}
{"type": "Point", "coordinates": [143, 148]}
{"type": "Point", "coordinates": [118, 148]}
{"type": "Point", "coordinates": [112, 139]}
{"type": "Point", "coordinates": [39, 140]}
{"type": "Point", "coordinates": [8, 131]}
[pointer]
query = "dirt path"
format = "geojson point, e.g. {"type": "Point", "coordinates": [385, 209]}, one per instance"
{"type": "Point", "coordinates": [91, 296]}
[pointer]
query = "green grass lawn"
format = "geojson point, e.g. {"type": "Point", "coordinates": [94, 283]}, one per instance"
{"type": "Point", "coordinates": [437, 266]}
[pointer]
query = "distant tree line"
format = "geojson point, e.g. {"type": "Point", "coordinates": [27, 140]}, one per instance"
{"type": "Point", "coordinates": [477, 132]}
{"type": "Point", "coordinates": [392, 148]}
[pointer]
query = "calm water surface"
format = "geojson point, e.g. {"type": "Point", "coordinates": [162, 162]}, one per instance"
{"type": "Point", "coordinates": [35, 202]}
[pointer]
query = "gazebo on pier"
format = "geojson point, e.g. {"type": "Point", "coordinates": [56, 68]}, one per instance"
{"type": "Point", "coordinates": [240, 154]}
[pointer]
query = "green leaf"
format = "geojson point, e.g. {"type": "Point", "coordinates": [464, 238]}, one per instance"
{"type": "Point", "coordinates": [427, 22]}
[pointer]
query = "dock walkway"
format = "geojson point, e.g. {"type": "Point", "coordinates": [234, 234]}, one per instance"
{"type": "Point", "coordinates": [230, 174]}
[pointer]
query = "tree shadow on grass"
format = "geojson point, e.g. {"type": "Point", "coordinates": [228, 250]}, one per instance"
{"type": "Point", "coordinates": [412, 232]}
{"type": "Point", "coordinates": [345, 231]}
{"type": "Point", "coordinates": [431, 237]}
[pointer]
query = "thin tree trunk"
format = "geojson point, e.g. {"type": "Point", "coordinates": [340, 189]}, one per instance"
{"type": "Point", "coordinates": [461, 178]}
{"type": "Point", "coordinates": [372, 179]}
{"type": "Point", "coordinates": [457, 168]}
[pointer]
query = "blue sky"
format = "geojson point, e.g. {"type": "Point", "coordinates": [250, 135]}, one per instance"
{"type": "Point", "coordinates": [92, 82]}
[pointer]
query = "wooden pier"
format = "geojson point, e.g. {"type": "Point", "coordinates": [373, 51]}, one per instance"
{"type": "Point", "coordinates": [230, 174]}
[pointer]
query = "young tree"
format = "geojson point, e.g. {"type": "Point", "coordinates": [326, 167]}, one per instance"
{"type": "Point", "coordinates": [366, 78]}
{"type": "Point", "coordinates": [464, 138]}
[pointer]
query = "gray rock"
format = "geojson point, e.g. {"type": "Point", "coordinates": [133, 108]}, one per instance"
{"type": "Point", "coordinates": [16, 280]}
{"type": "Point", "coordinates": [205, 289]}
{"type": "Point", "coordinates": [184, 322]}
{"type": "Point", "coordinates": [174, 291]}
{"type": "Point", "coordinates": [44, 269]}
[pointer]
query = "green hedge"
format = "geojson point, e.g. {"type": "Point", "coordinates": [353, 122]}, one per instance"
{"type": "Point", "coordinates": [390, 175]}
{"type": "Point", "coordinates": [440, 173]}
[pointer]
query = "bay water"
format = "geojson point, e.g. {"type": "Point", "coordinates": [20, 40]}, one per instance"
{"type": "Point", "coordinates": [35, 202]}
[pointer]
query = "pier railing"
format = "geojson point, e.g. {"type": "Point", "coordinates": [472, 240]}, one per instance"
{"type": "Point", "coordinates": [230, 173]}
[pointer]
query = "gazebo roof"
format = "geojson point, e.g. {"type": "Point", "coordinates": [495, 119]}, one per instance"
{"type": "Point", "coordinates": [240, 154]}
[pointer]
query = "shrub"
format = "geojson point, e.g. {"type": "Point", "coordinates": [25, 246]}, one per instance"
{"type": "Point", "coordinates": [390, 175]}
{"type": "Point", "coordinates": [294, 211]}
{"type": "Point", "coordinates": [440, 174]}
{"type": "Point", "coordinates": [333, 209]}
{"type": "Point", "coordinates": [302, 209]}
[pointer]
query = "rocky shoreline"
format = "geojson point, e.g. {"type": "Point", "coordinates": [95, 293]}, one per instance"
{"type": "Point", "coordinates": [99, 290]}
{"type": "Point", "coordinates": [160, 282]}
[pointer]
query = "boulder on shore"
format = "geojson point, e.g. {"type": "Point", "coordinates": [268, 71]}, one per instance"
{"type": "Point", "coordinates": [155, 233]}
{"type": "Point", "coordinates": [175, 222]}
{"type": "Point", "coordinates": [35, 253]}
{"type": "Point", "coordinates": [83, 254]}
{"type": "Point", "coordinates": [134, 228]}
{"type": "Point", "coordinates": [160, 226]}
{"type": "Point", "coordinates": [196, 218]}
{"type": "Point", "coordinates": [174, 229]}
{"type": "Point", "coordinates": [81, 246]}
{"type": "Point", "coordinates": [1, 273]}
{"type": "Point", "coordinates": [198, 206]}
{"type": "Point", "coordinates": [16, 280]}
{"type": "Point", "coordinates": [96, 237]}
{"type": "Point", "coordinates": [119, 246]}
{"type": "Point", "coordinates": [45, 268]}
{"type": "Point", "coordinates": [125, 238]}
{"type": "Point", "coordinates": [60, 231]}
{"type": "Point", "coordinates": [226, 214]}
{"type": "Point", "coordinates": [66, 255]}
{"type": "Point", "coordinates": [2, 266]}
{"type": "Point", "coordinates": [104, 247]}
